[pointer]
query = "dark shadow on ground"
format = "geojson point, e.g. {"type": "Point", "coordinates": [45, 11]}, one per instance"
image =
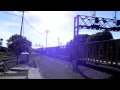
{"type": "Point", "coordinates": [75, 69]}
{"type": "Point", "coordinates": [114, 77]}
{"type": "Point", "coordinates": [81, 73]}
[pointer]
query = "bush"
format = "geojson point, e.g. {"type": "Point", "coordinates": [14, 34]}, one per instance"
{"type": "Point", "coordinates": [4, 54]}
{"type": "Point", "coordinates": [9, 54]}
{"type": "Point", "coordinates": [1, 54]}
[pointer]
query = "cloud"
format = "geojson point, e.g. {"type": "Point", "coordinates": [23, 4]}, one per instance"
{"type": "Point", "coordinates": [17, 13]}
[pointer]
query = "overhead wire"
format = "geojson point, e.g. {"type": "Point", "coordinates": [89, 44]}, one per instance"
{"type": "Point", "coordinates": [32, 20]}
{"type": "Point", "coordinates": [24, 19]}
{"type": "Point", "coordinates": [11, 13]}
{"type": "Point", "coordinates": [32, 26]}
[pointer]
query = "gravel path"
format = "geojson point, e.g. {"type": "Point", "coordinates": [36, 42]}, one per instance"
{"type": "Point", "coordinates": [60, 69]}
{"type": "Point", "coordinates": [53, 69]}
{"type": "Point", "coordinates": [93, 74]}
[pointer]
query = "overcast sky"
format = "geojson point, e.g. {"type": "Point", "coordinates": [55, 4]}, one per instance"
{"type": "Point", "coordinates": [59, 23]}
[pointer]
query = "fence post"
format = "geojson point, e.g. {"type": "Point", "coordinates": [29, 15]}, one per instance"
{"type": "Point", "coordinates": [116, 53]}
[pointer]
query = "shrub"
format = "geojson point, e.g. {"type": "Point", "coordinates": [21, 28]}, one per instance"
{"type": "Point", "coordinates": [9, 54]}
{"type": "Point", "coordinates": [1, 54]}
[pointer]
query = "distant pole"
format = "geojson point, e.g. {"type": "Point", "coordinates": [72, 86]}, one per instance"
{"type": "Point", "coordinates": [115, 17]}
{"type": "Point", "coordinates": [22, 24]}
{"type": "Point", "coordinates": [39, 45]}
{"type": "Point", "coordinates": [58, 41]}
{"type": "Point", "coordinates": [36, 44]}
{"type": "Point", "coordinates": [94, 13]}
{"type": "Point", "coordinates": [47, 31]}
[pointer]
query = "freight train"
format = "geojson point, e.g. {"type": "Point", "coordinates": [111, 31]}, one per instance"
{"type": "Point", "coordinates": [105, 52]}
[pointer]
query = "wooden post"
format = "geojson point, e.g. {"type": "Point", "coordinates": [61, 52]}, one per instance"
{"type": "Point", "coordinates": [87, 50]}
{"type": "Point", "coordinates": [95, 51]}
{"type": "Point", "coordinates": [98, 52]}
{"type": "Point", "coordinates": [111, 54]}
{"type": "Point", "coordinates": [116, 53]}
{"type": "Point", "coordinates": [107, 52]}
{"type": "Point", "coordinates": [102, 52]}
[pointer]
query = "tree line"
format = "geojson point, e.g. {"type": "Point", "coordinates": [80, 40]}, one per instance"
{"type": "Point", "coordinates": [15, 45]}
{"type": "Point", "coordinates": [105, 51]}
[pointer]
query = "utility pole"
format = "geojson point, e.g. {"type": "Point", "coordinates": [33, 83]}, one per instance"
{"type": "Point", "coordinates": [58, 41]}
{"type": "Point", "coordinates": [47, 31]}
{"type": "Point", "coordinates": [36, 44]}
{"type": "Point", "coordinates": [39, 45]}
{"type": "Point", "coordinates": [115, 17]}
{"type": "Point", "coordinates": [94, 13]}
{"type": "Point", "coordinates": [22, 24]}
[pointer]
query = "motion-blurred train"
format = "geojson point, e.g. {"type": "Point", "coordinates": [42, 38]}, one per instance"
{"type": "Point", "coordinates": [56, 52]}
{"type": "Point", "coordinates": [103, 52]}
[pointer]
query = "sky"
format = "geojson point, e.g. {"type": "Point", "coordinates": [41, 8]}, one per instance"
{"type": "Point", "coordinates": [59, 23]}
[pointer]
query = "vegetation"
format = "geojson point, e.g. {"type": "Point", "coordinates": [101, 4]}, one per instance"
{"type": "Point", "coordinates": [100, 36]}
{"type": "Point", "coordinates": [17, 44]}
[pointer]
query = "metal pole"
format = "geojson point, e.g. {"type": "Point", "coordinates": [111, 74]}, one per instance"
{"type": "Point", "coordinates": [115, 17]}
{"type": "Point", "coordinates": [93, 13]}
{"type": "Point", "coordinates": [46, 37]}
{"type": "Point", "coordinates": [58, 41]}
{"type": "Point", "coordinates": [22, 24]}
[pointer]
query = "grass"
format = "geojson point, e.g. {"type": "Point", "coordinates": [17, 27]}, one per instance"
{"type": "Point", "coordinates": [19, 73]}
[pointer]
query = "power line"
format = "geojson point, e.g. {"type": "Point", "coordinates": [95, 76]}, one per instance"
{"type": "Point", "coordinates": [32, 20]}
{"type": "Point", "coordinates": [11, 13]}
{"type": "Point", "coordinates": [35, 23]}
{"type": "Point", "coordinates": [24, 19]}
{"type": "Point", "coordinates": [32, 26]}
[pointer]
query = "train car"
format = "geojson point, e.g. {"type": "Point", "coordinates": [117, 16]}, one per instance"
{"type": "Point", "coordinates": [103, 52]}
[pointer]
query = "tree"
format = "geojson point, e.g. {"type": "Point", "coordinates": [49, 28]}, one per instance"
{"type": "Point", "coordinates": [100, 36]}
{"type": "Point", "coordinates": [105, 35]}
{"type": "Point", "coordinates": [70, 48]}
{"type": "Point", "coordinates": [81, 38]}
{"type": "Point", "coordinates": [18, 44]}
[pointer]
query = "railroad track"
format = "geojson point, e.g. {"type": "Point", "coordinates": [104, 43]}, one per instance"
{"type": "Point", "coordinates": [114, 71]}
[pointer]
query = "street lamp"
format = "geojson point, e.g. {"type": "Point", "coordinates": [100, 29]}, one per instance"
{"type": "Point", "coordinates": [47, 31]}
